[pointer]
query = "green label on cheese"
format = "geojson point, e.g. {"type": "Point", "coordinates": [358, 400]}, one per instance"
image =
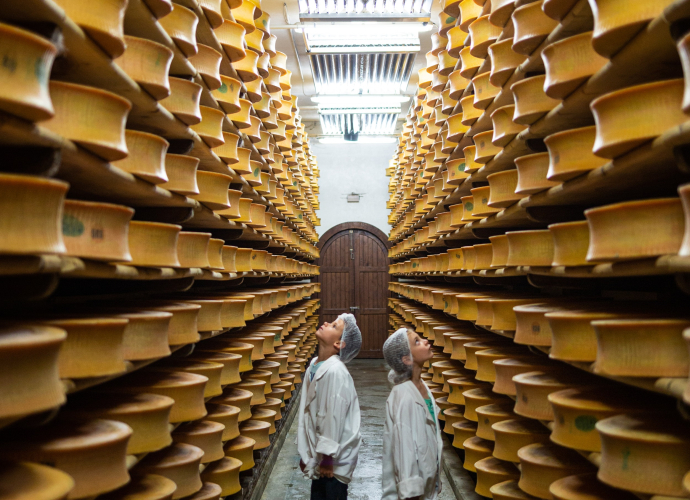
{"type": "Point", "coordinates": [585, 423]}
{"type": "Point", "coordinates": [71, 226]}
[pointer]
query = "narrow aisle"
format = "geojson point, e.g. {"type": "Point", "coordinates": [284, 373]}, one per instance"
{"type": "Point", "coordinates": [288, 483]}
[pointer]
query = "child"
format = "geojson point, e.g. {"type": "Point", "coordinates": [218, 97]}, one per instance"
{"type": "Point", "coordinates": [412, 442]}
{"type": "Point", "coordinates": [328, 435]}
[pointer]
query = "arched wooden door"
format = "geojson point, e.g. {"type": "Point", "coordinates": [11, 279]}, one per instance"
{"type": "Point", "coordinates": [354, 278]}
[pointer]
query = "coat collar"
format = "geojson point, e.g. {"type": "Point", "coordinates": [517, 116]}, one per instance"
{"type": "Point", "coordinates": [323, 369]}
{"type": "Point", "coordinates": [419, 399]}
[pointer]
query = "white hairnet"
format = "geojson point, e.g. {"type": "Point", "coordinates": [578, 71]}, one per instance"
{"type": "Point", "coordinates": [352, 338]}
{"type": "Point", "coordinates": [394, 349]}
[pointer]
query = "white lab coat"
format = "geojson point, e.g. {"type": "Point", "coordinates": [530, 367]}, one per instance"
{"type": "Point", "coordinates": [329, 420]}
{"type": "Point", "coordinates": [412, 445]}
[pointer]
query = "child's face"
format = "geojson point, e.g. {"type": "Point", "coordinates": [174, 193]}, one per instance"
{"type": "Point", "coordinates": [419, 347]}
{"type": "Point", "coordinates": [331, 333]}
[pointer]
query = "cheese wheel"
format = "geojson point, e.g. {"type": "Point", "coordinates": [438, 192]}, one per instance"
{"type": "Point", "coordinates": [509, 490]}
{"type": "Point", "coordinates": [492, 471]}
{"type": "Point", "coordinates": [469, 11]}
{"type": "Point", "coordinates": [570, 153]}
{"type": "Point", "coordinates": [480, 203]}
{"type": "Point", "coordinates": [531, 103]}
{"type": "Point", "coordinates": [265, 415]}
{"type": "Point", "coordinates": [184, 98]}
{"type": "Point", "coordinates": [231, 37]}
{"type": "Point", "coordinates": [532, 390]}
{"type": "Point", "coordinates": [181, 25]}
{"type": "Point", "coordinates": [186, 389]}
{"type": "Point", "coordinates": [569, 63]}
{"type": "Point", "coordinates": [558, 9]}
{"type": "Point", "coordinates": [532, 326]}
{"type": "Point", "coordinates": [31, 212]}
{"type": "Point", "coordinates": [242, 449]}
{"type": "Point", "coordinates": [572, 336]}
{"type": "Point", "coordinates": [512, 434]}
{"type": "Point", "coordinates": [502, 189]}
{"type": "Point", "coordinates": [92, 118]}
{"type": "Point", "coordinates": [462, 431]}
{"type": "Point", "coordinates": [144, 487]}
{"type": "Point", "coordinates": [507, 368]}
{"type": "Point", "coordinates": [490, 414]}
{"type": "Point", "coordinates": [153, 244]}
{"type": "Point", "coordinates": [146, 334]}
{"type": "Point", "coordinates": [207, 63]}
{"type": "Point", "coordinates": [225, 473]}
{"type": "Point", "coordinates": [182, 328]}
{"type": "Point", "coordinates": [147, 63]}
{"type": "Point", "coordinates": [146, 156]}
{"type": "Point", "coordinates": [542, 464]}
{"type": "Point", "coordinates": [192, 249]}
{"type": "Point", "coordinates": [94, 346]}
{"type": "Point", "coordinates": [614, 27]}
{"type": "Point", "coordinates": [212, 371]}
{"type": "Point", "coordinates": [570, 242]}
{"type": "Point", "coordinates": [641, 347]}
{"type": "Point", "coordinates": [24, 82]}
{"type": "Point", "coordinates": [258, 431]}
{"type": "Point", "coordinates": [577, 411]}
{"type": "Point", "coordinates": [181, 173]}
{"type": "Point", "coordinates": [205, 435]}
{"type": "Point", "coordinates": [505, 129]}
{"type": "Point", "coordinates": [469, 112]}
{"type": "Point", "coordinates": [504, 60]}
{"type": "Point", "coordinates": [586, 487]}
{"type": "Point", "coordinates": [29, 357]}
{"type": "Point", "coordinates": [243, 258]}
{"type": "Point", "coordinates": [485, 149]}
{"type": "Point", "coordinates": [485, 91]}
{"type": "Point", "coordinates": [229, 253]}
{"type": "Point", "coordinates": [532, 171]}
{"type": "Point", "coordinates": [635, 229]}
{"type": "Point", "coordinates": [146, 414]}
{"type": "Point", "coordinates": [476, 449]}
{"type": "Point", "coordinates": [646, 454]}
{"type": "Point", "coordinates": [273, 404]}
{"type": "Point", "coordinates": [255, 385]}
{"type": "Point", "coordinates": [226, 415]}
{"type": "Point", "coordinates": [210, 128]}
{"type": "Point", "coordinates": [482, 35]}
{"type": "Point", "coordinates": [629, 117]}
{"type": "Point", "coordinates": [530, 248]}
{"type": "Point", "coordinates": [215, 253]}
{"type": "Point", "coordinates": [458, 82]}
{"type": "Point", "coordinates": [239, 398]}
{"type": "Point", "coordinates": [486, 371]}
{"type": "Point", "coordinates": [532, 26]}
{"type": "Point", "coordinates": [471, 349]}
{"type": "Point", "coordinates": [102, 21]}
{"type": "Point", "coordinates": [213, 189]}
{"type": "Point", "coordinates": [504, 317]}
{"type": "Point", "coordinates": [92, 452]}
{"type": "Point", "coordinates": [96, 230]}
{"type": "Point", "coordinates": [475, 398]}
{"type": "Point", "coordinates": [179, 463]}
{"type": "Point", "coordinates": [499, 250]}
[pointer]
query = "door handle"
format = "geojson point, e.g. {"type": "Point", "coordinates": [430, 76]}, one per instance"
{"type": "Point", "coordinates": [354, 308]}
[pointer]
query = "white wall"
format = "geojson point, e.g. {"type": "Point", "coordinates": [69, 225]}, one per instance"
{"type": "Point", "coordinates": [347, 168]}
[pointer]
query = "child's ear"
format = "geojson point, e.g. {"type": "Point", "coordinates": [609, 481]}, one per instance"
{"type": "Point", "coordinates": [407, 360]}
{"type": "Point", "coordinates": [339, 344]}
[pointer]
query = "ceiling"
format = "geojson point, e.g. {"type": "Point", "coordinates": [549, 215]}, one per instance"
{"type": "Point", "coordinates": [354, 71]}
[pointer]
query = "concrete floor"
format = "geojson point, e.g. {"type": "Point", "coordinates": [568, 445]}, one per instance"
{"type": "Point", "coordinates": [287, 482]}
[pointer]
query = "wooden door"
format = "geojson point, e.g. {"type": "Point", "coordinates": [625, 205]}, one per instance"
{"type": "Point", "coordinates": [354, 278]}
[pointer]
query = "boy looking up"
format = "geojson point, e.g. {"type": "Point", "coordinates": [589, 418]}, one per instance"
{"type": "Point", "coordinates": [328, 435]}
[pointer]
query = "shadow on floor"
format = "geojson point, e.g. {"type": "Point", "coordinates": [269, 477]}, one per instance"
{"type": "Point", "coordinates": [287, 481]}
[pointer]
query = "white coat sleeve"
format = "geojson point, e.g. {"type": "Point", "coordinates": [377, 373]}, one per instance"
{"type": "Point", "coordinates": [333, 404]}
{"type": "Point", "coordinates": [408, 477]}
